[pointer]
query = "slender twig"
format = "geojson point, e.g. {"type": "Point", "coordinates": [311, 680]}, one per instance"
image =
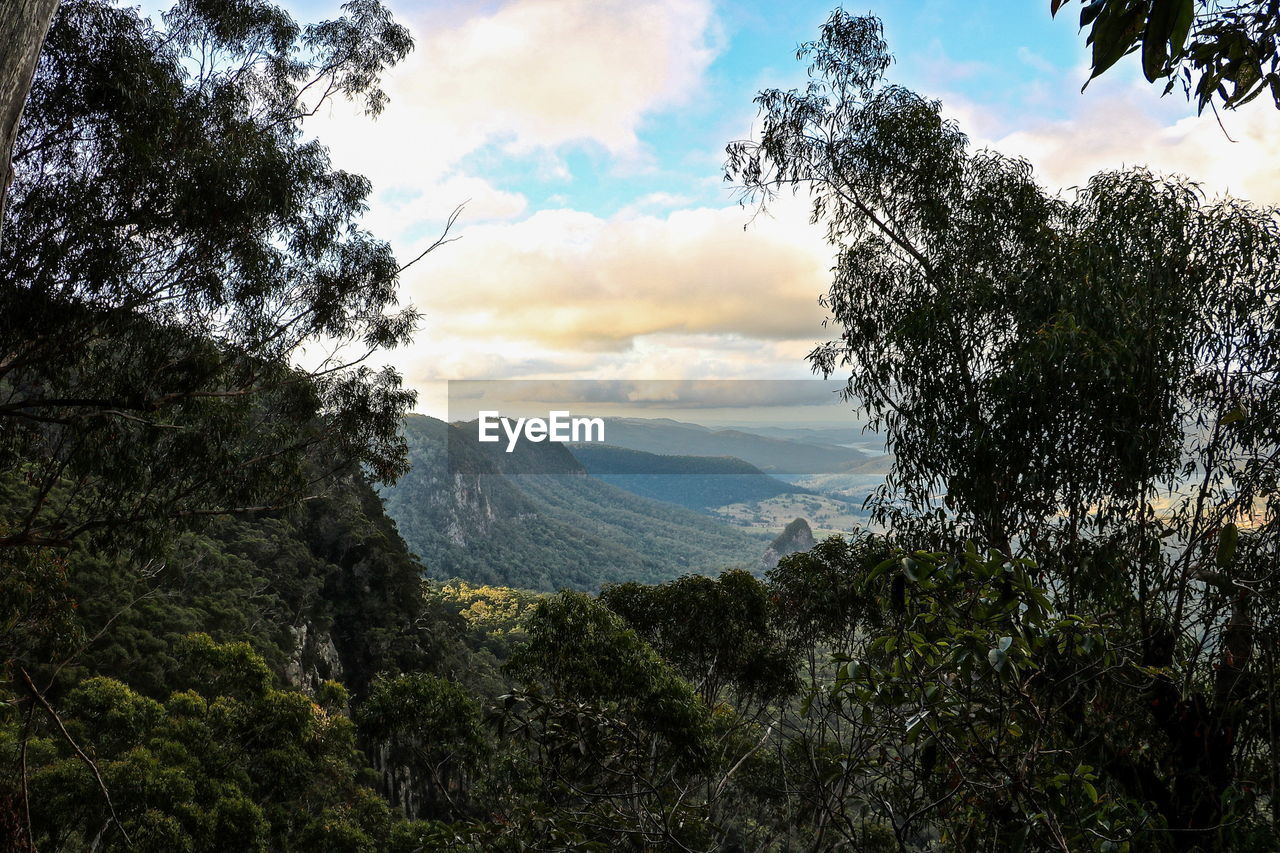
{"type": "Point", "coordinates": [26, 797]}
{"type": "Point", "coordinates": [66, 735]}
{"type": "Point", "coordinates": [441, 240]}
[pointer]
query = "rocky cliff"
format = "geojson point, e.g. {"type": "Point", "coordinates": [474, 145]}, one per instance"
{"type": "Point", "coordinates": [535, 519]}
{"type": "Point", "coordinates": [794, 538]}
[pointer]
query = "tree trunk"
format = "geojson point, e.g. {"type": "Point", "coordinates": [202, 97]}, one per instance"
{"type": "Point", "coordinates": [1202, 733]}
{"type": "Point", "coordinates": [23, 25]}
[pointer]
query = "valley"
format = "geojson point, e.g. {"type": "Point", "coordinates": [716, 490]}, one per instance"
{"type": "Point", "coordinates": [549, 516]}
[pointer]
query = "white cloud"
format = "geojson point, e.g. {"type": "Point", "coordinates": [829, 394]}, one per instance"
{"type": "Point", "coordinates": [530, 76]}
{"type": "Point", "coordinates": [654, 201]}
{"type": "Point", "coordinates": [661, 290]}
{"type": "Point", "coordinates": [569, 281]}
{"type": "Point", "coordinates": [1035, 60]}
{"type": "Point", "coordinates": [546, 72]}
{"type": "Point", "coordinates": [1120, 121]}
{"type": "Point", "coordinates": [564, 294]}
{"type": "Point", "coordinates": [1114, 132]}
{"type": "Point", "coordinates": [400, 214]}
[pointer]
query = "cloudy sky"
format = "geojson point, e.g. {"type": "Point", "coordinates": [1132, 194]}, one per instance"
{"type": "Point", "coordinates": [586, 138]}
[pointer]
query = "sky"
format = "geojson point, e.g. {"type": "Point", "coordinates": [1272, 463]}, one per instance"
{"type": "Point", "coordinates": [586, 139]}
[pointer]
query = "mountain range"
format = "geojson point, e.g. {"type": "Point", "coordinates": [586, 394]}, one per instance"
{"type": "Point", "coordinates": [776, 456]}
{"type": "Point", "coordinates": [696, 482]}
{"type": "Point", "coordinates": [536, 519]}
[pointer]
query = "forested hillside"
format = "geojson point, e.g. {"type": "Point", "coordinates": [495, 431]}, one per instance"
{"type": "Point", "coordinates": [324, 591]}
{"type": "Point", "coordinates": [535, 519]}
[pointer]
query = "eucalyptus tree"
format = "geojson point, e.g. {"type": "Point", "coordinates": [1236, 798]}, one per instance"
{"type": "Point", "coordinates": [1218, 52]}
{"type": "Point", "coordinates": [717, 633]}
{"type": "Point", "coordinates": [1085, 380]}
{"type": "Point", "coordinates": [228, 763]}
{"type": "Point", "coordinates": [173, 239]}
{"type": "Point", "coordinates": [23, 24]}
{"type": "Point", "coordinates": [615, 739]}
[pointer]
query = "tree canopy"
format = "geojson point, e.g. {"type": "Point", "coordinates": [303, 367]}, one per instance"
{"type": "Point", "coordinates": [172, 239]}
{"type": "Point", "coordinates": [1087, 382]}
{"type": "Point", "coordinates": [1063, 638]}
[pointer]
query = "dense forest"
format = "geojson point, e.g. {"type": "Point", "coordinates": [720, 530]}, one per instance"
{"type": "Point", "coordinates": [215, 637]}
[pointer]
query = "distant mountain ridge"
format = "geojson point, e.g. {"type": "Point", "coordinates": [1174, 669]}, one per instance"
{"type": "Point", "coordinates": [696, 482]}
{"type": "Point", "coordinates": [611, 459]}
{"type": "Point", "coordinates": [473, 511]}
{"type": "Point", "coordinates": [838, 436]}
{"type": "Point", "coordinates": [771, 455]}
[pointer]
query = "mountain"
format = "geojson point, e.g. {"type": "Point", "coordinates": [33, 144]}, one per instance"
{"type": "Point", "coordinates": [696, 482]}
{"type": "Point", "coordinates": [771, 455]}
{"type": "Point", "coordinates": [837, 436]}
{"type": "Point", "coordinates": [536, 519]}
{"type": "Point", "coordinates": [795, 537]}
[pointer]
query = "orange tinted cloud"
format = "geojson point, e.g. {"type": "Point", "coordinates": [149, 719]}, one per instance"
{"type": "Point", "coordinates": [572, 281]}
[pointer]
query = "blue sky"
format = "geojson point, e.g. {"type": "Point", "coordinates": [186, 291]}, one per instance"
{"type": "Point", "coordinates": [999, 54]}
{"type": "Point", "coordinates": [587, 138]}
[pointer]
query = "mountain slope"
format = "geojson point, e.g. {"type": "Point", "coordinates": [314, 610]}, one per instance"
{"type": "Point", "coordinates": [696, 482]}
{"type": "Point", "coordinates": [474, 512]}
{"type": "Point", "coordinates": [770, 455]}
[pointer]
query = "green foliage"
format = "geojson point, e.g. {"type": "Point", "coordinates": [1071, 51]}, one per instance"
{"type": "Point", "coordinates": [1084, 384]}
{"type": "Point", "coordinates": [428, 732]}
{"type": "Point", "coordinates": [172, 238]}
{"type": "Point", "coordinates": [37, 612]}
{"type": "Point", "coordinates": [1035, 361]}
{"type": "Point", "coordinates": [972, 682]}
{"type": "Point", "coordinates": [717, 633]}
{"type": "Point", "coordinates": [488, 610]}
{"type": "Point", "coordinates": [324, 591]}
{"type": "Point", "coordinates": [818, 598]}
{"type": "Point", "coordinates": [493, 618]}
{"type": "Point", "coordinates": [1098, 672]}
{"type": "Point", "coordinates": [580, 649]}
{"type": "Point", "coordinates": [600, 712]}
{"type": "Point", "coordinates": [1219, 52]}
{"type": "Point", "coordinates": [249, 769]}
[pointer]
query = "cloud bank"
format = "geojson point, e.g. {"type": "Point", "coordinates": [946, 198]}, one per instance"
{"type": "Point", "coordinates": [569, 280]}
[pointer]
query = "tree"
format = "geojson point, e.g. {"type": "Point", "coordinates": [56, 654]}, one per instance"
{"type": "Point", "coordinates": [22, 29]}
{"type": "Point", "coordinates": [426, 737]}
{"type": "Point", "coordinates": [229, 763]}
{"type": "Point", "coordinates": [173, 241]}
{"type": "Point", "coordinates": [1039, 361]}
{"type": "Point", "coordinates": [1219, 52]}
{"type": "Point", "coordinates": [615, 739]}
{"type": "Point", "coordinates": [716, 632]}
{"type": "Point", "coordinates": [1088, 382]}
{"type": "Point", "coordinates": [954, 706]}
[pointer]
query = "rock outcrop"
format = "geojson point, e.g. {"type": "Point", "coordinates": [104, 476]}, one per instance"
{"type": "Point", "coordinates": [795, 537]}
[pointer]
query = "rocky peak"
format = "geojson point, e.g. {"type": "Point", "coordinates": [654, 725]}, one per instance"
{"type": "Point", "coordinates": [794, 538]}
